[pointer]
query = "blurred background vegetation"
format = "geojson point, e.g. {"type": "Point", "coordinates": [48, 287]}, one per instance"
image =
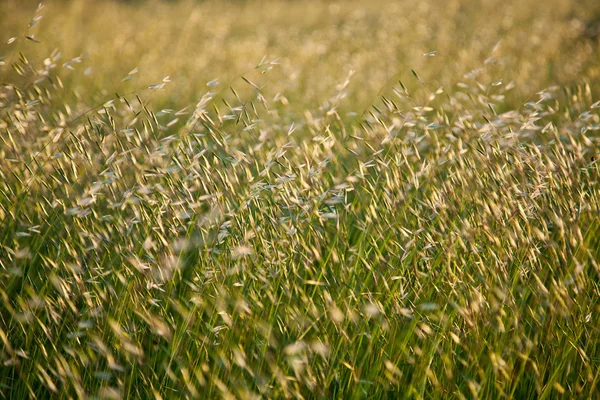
{"type": "Point", "coordinates": [317, 43]}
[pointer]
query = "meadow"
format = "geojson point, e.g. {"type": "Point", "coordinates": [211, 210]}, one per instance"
{"type": "Point", "coordinates": [299, 199]}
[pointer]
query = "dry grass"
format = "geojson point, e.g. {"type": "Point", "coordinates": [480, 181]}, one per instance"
{"type": "Point", "coordinates": [317, 43]}
{"type": "Point", "coordinates": [299, 231]}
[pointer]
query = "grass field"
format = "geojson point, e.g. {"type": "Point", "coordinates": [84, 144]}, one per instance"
{"type": "Point", "coordinates": [300, 199]}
